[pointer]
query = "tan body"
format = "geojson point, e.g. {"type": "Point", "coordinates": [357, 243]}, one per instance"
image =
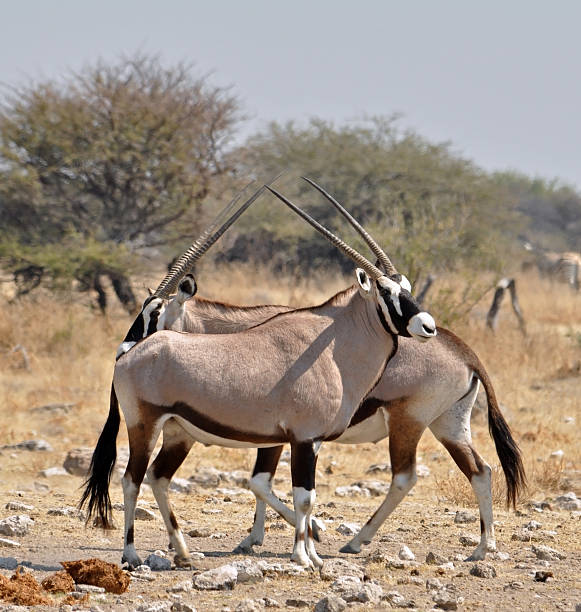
{"type": "Point", "coordinates": [291, 379]}
{"type": "Point", "coordinates": [425, 385]}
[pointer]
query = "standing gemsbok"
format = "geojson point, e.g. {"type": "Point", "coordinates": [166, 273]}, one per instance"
{"type": "Point", "coordinates": [289, 380]}
{"type": "Point", "coordinates": [430, 385]}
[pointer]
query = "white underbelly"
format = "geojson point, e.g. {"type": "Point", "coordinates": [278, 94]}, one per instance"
{"type": "Point", "coordinates": [372, 429]}
{"type": "Point", "coordinates": [210, 439]}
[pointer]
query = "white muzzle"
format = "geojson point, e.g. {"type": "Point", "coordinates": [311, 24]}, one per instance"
{"type": "Point", "coordinates": [422, 326]}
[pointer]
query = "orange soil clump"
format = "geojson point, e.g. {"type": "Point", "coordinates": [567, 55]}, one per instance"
{"type": "Point", "coordinates": [23, 590]}
{"type": "Point", "coordinates": [99, 573]}
{"type": "Point", "coordinates": [60, 582]}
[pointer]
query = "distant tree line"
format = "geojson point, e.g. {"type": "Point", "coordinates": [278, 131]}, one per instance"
{"type": "Point", "coordinates": [129, 159]}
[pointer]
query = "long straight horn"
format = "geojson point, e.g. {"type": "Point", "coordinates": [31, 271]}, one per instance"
{"type": "Point", "coordinates": [335, 240]}
{"type": "Point", "coordinates": [377, 250]}
{"type": "Point", "coordinates": [205, 241]}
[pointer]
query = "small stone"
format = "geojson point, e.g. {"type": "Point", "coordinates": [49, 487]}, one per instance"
{"type": "Point", "coordinates": [370, 592]}
{"type": "Point", "coordinates": [500, 556]}
{"type": "Point", "coordinates": [144, 514]}
{"type": "Point", "coordinates": [9, 543]}
{"type": "Point", "coordinates": [433, 584]}
{"type": "Point", "coordinates": [446, 599]}
{"type": "Point", "coordinates": [348, 529]}
{"type": "Point", "coordinates": [532, 525]}
{"type": "Point", "coordinates": [207, 477]}
{"type": "Point", "coordinates": [285, 569]}
{"type": "Point", "coordinates": [157, 606]}
{"type": "Point", "coordinates": [522, 535]}
{"type": "Point", "coordinates": [66, 511]}
{"type": "Point", "coordinates": [182, 606]}
{"type": "Point", "coordinates": [346, 583]}
{"type": "Point", "coordinates": [181, 587]}
{"type": "Point", "coordinates": [221, 578]}
{"type": "Point", "coordinates": [249, 605]}
{"type": "Point", "coordinates": [53, 471]}
{"type": "Point", "coordinates": [331, 603]}
{"type": "Point", "coordinates": [406, 554]}
{"type": "Point", "coordinates": [395, 598]}
{"type": "Point", "coordinates": [558, 454]}
{"type": "Point", "coordinates": [351, 491]}
{"type": "Point", "coordinates": [483, 570]}
{"type": "Point", "coordinates": [248, 571]}
{"type": "Point", "coordinates": [78, 461]}
{"type": "Point", "coordinates": [378, 467]}
{"type": "Point", "coordinates": [8, 563]}
{"type": "Point", "coordinates": [298, 603]}
{"type": "Point", "coordinates": [547, 553]}
{"type": "Point", "coordinates": [463, 516]}
{"type": "Point", "coordinates": [333, 568]}
{"type": "Point", "coordinates": [15, 506]}
{"type": "Point", "coordinates": [32, 445]}
{"type": "Point", "coordinates": [433, 558]}
{"type": "Point", "coordinates": [375, 487]}
{"type": "Point", "coordinates": [143, 572]}
{"type": "Point", "coordinates": [469, 540]}
{"type": "Point", "coordinates": [569, 501]}
{"type": "Point", "coordinates": [269, 602]}
{"type": "Point", "coordinates": [514, 585]}
{"type": "Point", "coordinates": [89, 588]}
{"type": "Point", "coordinates": [181, 485]}
{"type": "Point", "coordinates": [543, 575]}
{"type": "Point", "coordinates": [445, 567]}
{"type": "Point", "coordinates": [200, 532]}
{"type": "Point", "coordinates": [157, 563]}
{"type": "Point", "coordinates": [17, 525]}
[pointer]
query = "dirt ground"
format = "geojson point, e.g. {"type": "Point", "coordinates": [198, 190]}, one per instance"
{"type": "Point", "coordinates": [423, 522]}
{"type": "Point", "coordinates": [56, 389]}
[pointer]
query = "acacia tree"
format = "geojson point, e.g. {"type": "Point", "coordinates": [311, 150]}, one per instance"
{"type": "Point", "coordinates": [432, 208]}
{"type": "Point", "coordinates": [107, 162]}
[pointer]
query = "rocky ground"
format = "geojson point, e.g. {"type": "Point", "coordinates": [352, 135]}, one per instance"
{"type": "Point", "coordinates": [415, 561]}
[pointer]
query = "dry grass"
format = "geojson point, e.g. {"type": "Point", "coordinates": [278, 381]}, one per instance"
{"type": "Point", "coordinates": [70, 350]}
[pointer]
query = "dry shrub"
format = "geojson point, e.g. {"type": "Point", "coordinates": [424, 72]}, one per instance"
{"type": "Point", "coordinates": [455, 488]}
{"type": "Point", "coordinates": [547, 475]}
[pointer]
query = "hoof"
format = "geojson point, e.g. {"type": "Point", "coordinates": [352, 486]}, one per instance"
{"type": "Point", "coordinates": [349, 549]}
{"type": "Point", "coordinates": [185, 562]}
{"type": "Point", "coordinates": [243, 549]}
{"type": "Point", "coordinates": [303, 562]}
{"type": "Point", "coordinates": [130, 565]}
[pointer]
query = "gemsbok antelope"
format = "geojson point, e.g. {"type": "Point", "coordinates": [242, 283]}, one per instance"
{"type": "Point", "coordinates": [432, 385]}
{"type": "Point", "coordinates": [288, 380]}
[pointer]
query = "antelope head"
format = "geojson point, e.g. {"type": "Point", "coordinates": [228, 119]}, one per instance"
{"type": "Point", "coordinates": [398, 311]}
{"type": "Point", "coordinates": [165, 306]}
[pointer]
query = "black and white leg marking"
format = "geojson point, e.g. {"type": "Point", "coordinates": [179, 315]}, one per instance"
{"type": "Point", "coordinates": [261, 485]}
{"type": "Point", "coordinates": [303, 466]}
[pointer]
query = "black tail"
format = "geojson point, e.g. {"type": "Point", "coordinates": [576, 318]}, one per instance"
{"type": "Point", "coordinates": [96, 491]}
{"type": "Point", "coordinates": [506, 448]}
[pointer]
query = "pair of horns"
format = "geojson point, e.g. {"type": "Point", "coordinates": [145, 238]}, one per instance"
{"type": "Point", "coordinates": [361, 261]}
{"type": "Point", "coordinates": [186, 261]}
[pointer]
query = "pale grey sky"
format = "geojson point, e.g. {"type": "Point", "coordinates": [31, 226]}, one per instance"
{"type": "Point", "coordinates": [500, 79]}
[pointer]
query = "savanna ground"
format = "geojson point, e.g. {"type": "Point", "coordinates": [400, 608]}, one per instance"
{"type": "Point", "coordinates": [70, 351]}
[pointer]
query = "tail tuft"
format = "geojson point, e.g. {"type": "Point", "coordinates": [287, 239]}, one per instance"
{"type": "Point", "coordinates": [96, 492]}
{"type": "Point", "coordinates": [509, 454]}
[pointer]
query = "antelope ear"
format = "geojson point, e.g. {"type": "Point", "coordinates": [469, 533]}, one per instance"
{"type": "Point", "coordinates": [150, 291]}
{"type": "Point", "coordinates": [364, 283]}
{"type": "Point", "coordinates": [405, 283]}
{"type": "Point", "coordinates": [186, 289]}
